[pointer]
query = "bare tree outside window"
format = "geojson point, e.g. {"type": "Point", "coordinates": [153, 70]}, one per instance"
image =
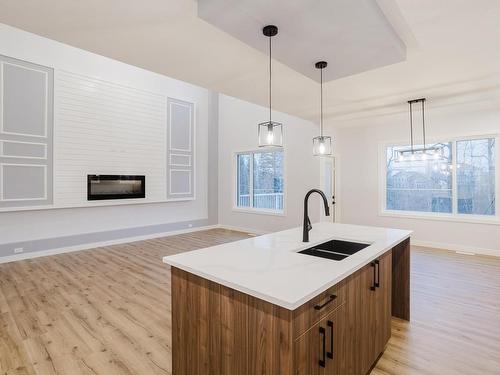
{"type": "Point", "coordinates": [476, 176]}
{"type": "Point", "coordinates": [260, 182]}
{"type": "Point", "coordinates": [419, 185]}
{"type": "Point", "coordinates": [427, 185]}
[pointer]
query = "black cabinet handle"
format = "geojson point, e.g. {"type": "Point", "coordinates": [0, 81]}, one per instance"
{"type": "Point", "coordinates": [332, 298]}
{"type": "Point", "coordinates": [322, 362]}
{"type": "Point", "coordinates": [374, 285]}
{"type": "Point", "coordinates": [330, 353]}
{"type": "Point", "coordinates": [377, 282]}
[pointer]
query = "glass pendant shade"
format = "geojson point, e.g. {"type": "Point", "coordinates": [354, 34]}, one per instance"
{"type": "Point", "coordinates": [322, 145]}
{"type": "Point", "coordinates": [270, 134]}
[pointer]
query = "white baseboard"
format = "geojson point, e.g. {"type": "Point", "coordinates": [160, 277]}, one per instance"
{"type": "Point", "coordinates": [69, 249]}
{"type": "Point", "coordinates": [457, 248]}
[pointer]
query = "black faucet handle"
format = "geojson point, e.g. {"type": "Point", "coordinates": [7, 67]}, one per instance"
{"type": "Point", "coordinates": [309, 226]}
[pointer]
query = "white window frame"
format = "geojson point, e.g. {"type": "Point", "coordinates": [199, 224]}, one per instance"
{"type": "Point", "coordinates": [251, 209]}
{"type": "Point", "coordinates": [454, 216]}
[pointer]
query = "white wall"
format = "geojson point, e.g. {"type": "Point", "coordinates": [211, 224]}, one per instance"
{"type": "Point", "coordinates": [358, 145]}
{"type": "Point", "coordinates": [52, 223]}
{"type": "Point", "coordinates": [238, 132]}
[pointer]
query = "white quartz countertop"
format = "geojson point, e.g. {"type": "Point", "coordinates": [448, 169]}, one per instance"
{"type": "Point", "coordinates": [269, 267]}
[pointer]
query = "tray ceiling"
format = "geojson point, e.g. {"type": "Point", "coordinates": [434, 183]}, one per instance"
{"type": "Point", "coordinates": [353, 36]}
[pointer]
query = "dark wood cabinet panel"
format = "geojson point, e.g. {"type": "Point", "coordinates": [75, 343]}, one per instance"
{"type": "Point", "coordinates": [383, 301]}
{"type": "Point", "coordinates": [194, 339]}
{"type": "Point", "coordinates": [308, 351]}
{"type": "Point", "coordinates": [401, 280]}
{"type": "Point", "coordinates": [323, 342]}
{"type": "Point", "coordinates": [220, 331]}
{"type": "Point", "coordinates": [368, 331]}
{"type": "Point", "coordinates": [233, 331]}
{"type": "Point", "coordinates": [335, 325]}
{"type": "Point", "coordinates": [368, 315]}
{"type": "Point", "coordinates": [313, 311]}
{"type": "Point", "coordinates": [269, 338]}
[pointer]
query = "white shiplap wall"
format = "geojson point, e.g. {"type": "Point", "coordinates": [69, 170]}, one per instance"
{"type": "Point", "coordinates": [105, 128]}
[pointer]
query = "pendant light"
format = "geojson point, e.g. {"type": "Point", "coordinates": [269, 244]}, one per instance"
{"type": "Point", "coordinates": [270, 133]}
{"type": "Point", "coordinates": [322, 145]}
{"type": "Point", "coordinates": [419, 153]}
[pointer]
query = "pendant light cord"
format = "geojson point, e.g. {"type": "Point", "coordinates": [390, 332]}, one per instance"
{"type": "Point", "coordinates": [411, 127]}
{"type": "Point", "coordinates": [270, 79]}
{"type": "Point", "coordinates": [321, 105]}
{"type": "Point", "coordinates": [423, 123]}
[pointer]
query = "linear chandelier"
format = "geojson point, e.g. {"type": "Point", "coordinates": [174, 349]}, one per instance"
{"type": "Point", "coordinates": [419, 153]}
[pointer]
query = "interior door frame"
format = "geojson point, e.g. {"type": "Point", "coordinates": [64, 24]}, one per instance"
{"type": "Point", "coordinates": [333, 196]}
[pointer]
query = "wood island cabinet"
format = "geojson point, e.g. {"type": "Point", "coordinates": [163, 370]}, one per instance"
{"type": "Point", "coordinates": [342, 331]}
{"type": "Point", "coordinates": [371, 311]}
{"type": "Point", "coordinates": [320, 350]}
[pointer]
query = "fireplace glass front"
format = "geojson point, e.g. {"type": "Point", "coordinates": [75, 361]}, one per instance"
{"type": "Point", "coordinates": [100, 187]}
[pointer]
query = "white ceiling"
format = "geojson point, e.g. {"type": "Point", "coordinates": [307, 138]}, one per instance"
{"type": "Point", "coordinates": [452, 48]}
{"type": "Point", "coordinates": [353, 36]}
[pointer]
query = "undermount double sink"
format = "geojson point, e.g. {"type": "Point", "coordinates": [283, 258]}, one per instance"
{"type": "Point", "coordinates": [335, 249]}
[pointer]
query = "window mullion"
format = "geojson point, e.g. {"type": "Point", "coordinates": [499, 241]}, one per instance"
{"type": "Point", "coordinates": [454, 182]}
{"type": "Point", "coordinates": [252, 161]}
{"type": "Point", "coordinates": [497, 176]}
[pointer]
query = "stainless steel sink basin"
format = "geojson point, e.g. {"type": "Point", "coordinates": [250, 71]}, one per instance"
{"type": "Point", "coordinates": [335, 249]}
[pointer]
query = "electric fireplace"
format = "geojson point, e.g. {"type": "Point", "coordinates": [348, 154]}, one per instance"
{"type": "Point", "coordinates": [101, 187]}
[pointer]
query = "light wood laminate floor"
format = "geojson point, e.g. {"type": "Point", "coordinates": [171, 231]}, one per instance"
{"type": "Point", "coordinates": [107, 311]}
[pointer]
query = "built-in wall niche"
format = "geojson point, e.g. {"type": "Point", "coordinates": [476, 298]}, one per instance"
{"type": "Point", "coordinates": [26, 127]}
{"type": "Point", "coordinates": [180, 150]}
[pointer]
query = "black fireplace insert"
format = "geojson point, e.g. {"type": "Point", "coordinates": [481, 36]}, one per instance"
{"type": "Point", "coordinates": [107, 186]}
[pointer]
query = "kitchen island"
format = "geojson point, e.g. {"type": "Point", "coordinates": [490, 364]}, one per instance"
{"type": "Point", "coordinates": [259, 306]}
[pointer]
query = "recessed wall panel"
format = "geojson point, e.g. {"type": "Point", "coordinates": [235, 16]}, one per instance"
{"type": "Point", "coordinates": [180, 160]}
{"type": "Point", "coordinates": [180, 149]}
{"type": "Point", "coordinates": [26, 134]}
{"type": "Point", "coordinates": [23, 182]}
{"type": "Point", "coordinates": [180, 182]}
{"type": "Point", "coordinates": [180, 126]}
{"type": "Point", "coordinates": [24, 100]}
{"type": "Point", "coordinates": [23, 150]}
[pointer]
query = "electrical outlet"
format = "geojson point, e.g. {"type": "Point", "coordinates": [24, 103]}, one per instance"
{"type": "Point", "coordinates": [18, 250]}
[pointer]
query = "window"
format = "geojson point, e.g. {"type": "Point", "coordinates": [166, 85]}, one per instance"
{"type": "Point", "coordinates": [459, 182]}
{"type": "Point", "coordinates": [260, 180]}
{"type": "Point", "coordinates": [476, 176]}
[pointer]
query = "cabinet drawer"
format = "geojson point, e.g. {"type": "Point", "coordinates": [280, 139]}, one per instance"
{"type": "Point", "coordinates": [313, 311]}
